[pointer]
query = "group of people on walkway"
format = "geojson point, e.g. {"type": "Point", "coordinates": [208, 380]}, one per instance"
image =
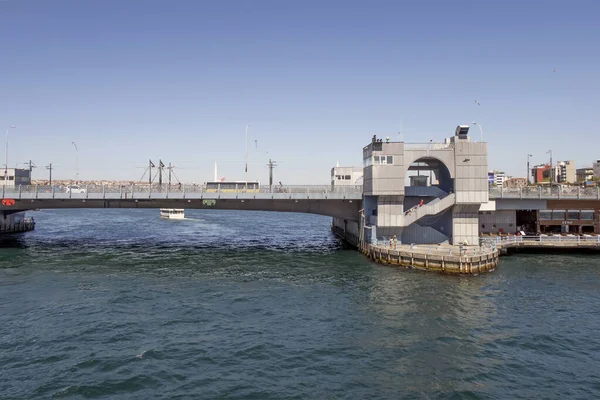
{"type": "Point", "coordinates": [410, 210]}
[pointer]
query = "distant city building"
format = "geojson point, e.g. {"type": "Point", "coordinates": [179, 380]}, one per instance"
{"type": "Point", "coordinates": [585, 174]}
{"type": "Point", "coordinates": [515, 183]}
{"type": "Point", "coordinates": [540, 173]}
{"type": "Point", "coordinates": [15, 177]}
{"type": "Point", "coordinates": [497, 178]}
{"type": "Point", "coordinates": [346, 176]}
{"type": "Point", "coordinates": [565, 172]}
{"type": "Point", "coordinates": [596, 168]}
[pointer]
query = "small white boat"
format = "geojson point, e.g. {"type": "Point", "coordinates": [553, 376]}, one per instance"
{"type": "Point", "coordinates": [172, 213]}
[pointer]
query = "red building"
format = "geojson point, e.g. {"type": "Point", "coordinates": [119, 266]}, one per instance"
{"type": "Point", "coordinates": [539, 173]}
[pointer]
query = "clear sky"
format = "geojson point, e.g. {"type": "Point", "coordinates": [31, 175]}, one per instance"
{"type": "Point", "coordinates": [129, 80]}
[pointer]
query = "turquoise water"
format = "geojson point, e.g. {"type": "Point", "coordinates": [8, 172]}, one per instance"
{"type": "Point", "coordinates": [253, 305]}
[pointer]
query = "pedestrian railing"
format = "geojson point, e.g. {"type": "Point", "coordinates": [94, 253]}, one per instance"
{"type": "Point", "coordinates": [28, 191]}
{"type": "Point", "coordinates": [500, 240]}
{"type": "Point", "coordinates": [139, 190]}
{"type": "Point", "coordinates": [539, 192]}
{"type": "Point", "coordinates": [439, 249]}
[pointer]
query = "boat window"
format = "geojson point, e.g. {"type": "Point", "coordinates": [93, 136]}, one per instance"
{"type": "Point", "coordinates": [573, 214]}
{"type": "Point", "coordinates": [558, 215]}
{"type": "Point", "coordinates": [545, 214]}
{"type": "Point", "coordinates": [587, 215]}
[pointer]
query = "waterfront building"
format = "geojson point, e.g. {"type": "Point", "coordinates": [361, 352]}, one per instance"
{"type": "Point", "coordinates": [515, 183]}
{"type": "Point", "coordinates": [540, 173]}
{"type": "Point", "coordinates": [397, 204]}
{"type": "Point", "coordinates": [584, 174]}
{"type": "Point", "coordinates": [346, 176]}
{"type": "Point", "coordinates": [564, 172]}
{"type": "Point", "coordinates": [15, 177]}
{"type": "Point", "coordinates": [596, 168]}
{"type": "Point", "coordinates": [497, 178]}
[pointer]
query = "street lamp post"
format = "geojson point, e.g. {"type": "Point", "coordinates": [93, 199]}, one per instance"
{"type": "Point", "coordinates": [76, 163]}
{"type": "Point", "coordinates": [528, 157]}
{"type": "Point", "coordinates": [551, 168]}
{"type": "Point", "coordinates": [246, 158]}
{"type": "Point", "coordinates": [480, 130]}
{"type": "Point", "coordinates": [6, 153]}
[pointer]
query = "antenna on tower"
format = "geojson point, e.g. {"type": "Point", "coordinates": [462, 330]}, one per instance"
{"type": "Point", "coordinates": [149, 171]}
{"type": "Point", "coordinates": [171, 172]}
{"type": "Point", "coordinates": [161, 166]}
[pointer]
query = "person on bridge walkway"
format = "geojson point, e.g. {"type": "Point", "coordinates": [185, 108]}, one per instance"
{"type": "Point", "coordinates": [395, 242]}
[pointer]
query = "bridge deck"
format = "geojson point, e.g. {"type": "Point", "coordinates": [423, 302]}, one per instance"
{"type": "Point", "coordinates": [324, 200]}
{"type": "Point", "coordinates": [293, 191]}
{"type": "Point", "coordinates": [99, 192]}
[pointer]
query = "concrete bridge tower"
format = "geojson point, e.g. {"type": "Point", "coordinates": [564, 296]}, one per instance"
{"type": "Point", "coordinates": [425, 193]}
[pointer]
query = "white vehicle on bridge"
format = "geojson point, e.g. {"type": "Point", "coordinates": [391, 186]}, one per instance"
{"type": "Point", "coordinates": [74, 189]}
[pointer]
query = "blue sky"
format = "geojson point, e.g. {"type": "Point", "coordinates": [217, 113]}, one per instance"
{"type": "Point", "coordinates": [129, 80]}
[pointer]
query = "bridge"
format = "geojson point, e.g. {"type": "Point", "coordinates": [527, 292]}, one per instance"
{"type": "Point", "coordinates": [339, 202]}
{"type": "Point", "coordinates": [451, 203]}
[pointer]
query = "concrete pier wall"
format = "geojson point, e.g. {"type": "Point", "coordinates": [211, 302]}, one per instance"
{"type": "Point", "coordinates": [470, 264]}
{"type": "Point", "coordinates": [347, 230]}
{"type": "Point", "coordinates": [15, 222]}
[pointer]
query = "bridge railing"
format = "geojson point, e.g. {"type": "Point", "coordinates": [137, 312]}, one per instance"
{"type": "Point", "coordinates": [438, 249]}
{"type": "Point", "coordinates": [139, 190]}
{"type": "Point", "coordinates": [539, 192]}
{"type": "Point", "coordinates": [529, 192]}
{"type": "Point", "coordinates": [568, 239]}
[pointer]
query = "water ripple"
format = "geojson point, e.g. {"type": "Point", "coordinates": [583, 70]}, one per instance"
{"type": "Point", "coordinates": [121, 304]}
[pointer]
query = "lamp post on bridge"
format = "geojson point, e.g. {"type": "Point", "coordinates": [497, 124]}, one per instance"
{"type": "Point", "coordinates": [528, 157]}
{"type": "Point", "coordinates": [551, 167]}
{"type": "Point", "coordinates": [76, 163]}
{"type": "Point", "coordinates": [480, 130]}
{"type": "Point", "coordinates": [6, 153]}
{"type": "Point", "coordinates": [246, 157]}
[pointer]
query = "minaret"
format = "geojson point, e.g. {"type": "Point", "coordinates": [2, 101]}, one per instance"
{"type": "Point", "coordinates": [216, 179]}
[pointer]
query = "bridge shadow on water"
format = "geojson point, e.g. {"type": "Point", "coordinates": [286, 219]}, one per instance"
{"type": "Point", "coordinates": [158, 245]}
{"type": "Point", "coordinates": [13, 241]}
